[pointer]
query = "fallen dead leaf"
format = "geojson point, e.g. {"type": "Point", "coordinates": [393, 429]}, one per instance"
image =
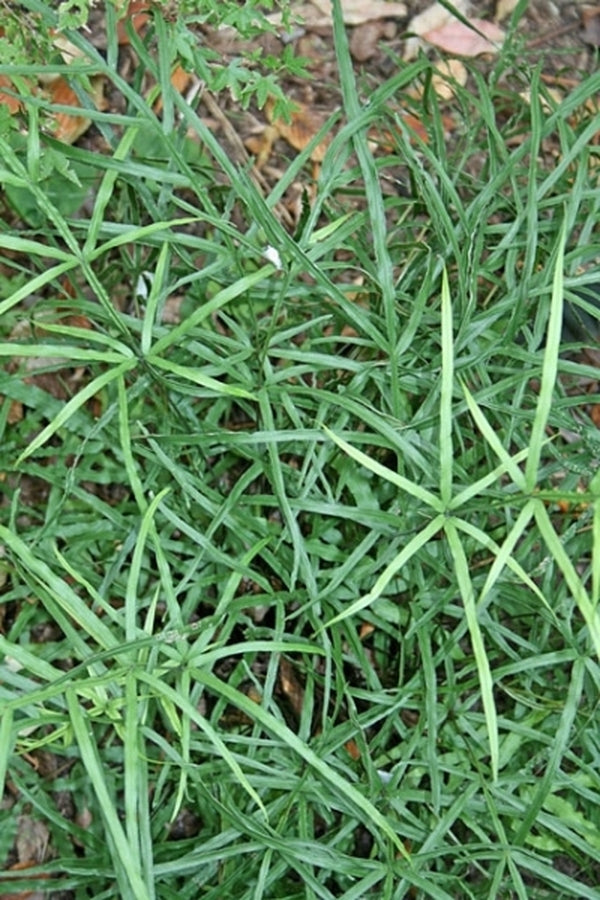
{"type": "Point", "coordinates": [306, 17]}
{"type": "Point", "coordinates": [447, 73]}
{"type": "Point", "coordinates": [435, 16]}
{"type": "Point", "coordinates": [388, 140]}
{"type": "Point", "coordinates": [68, 128]}
{"type": "Point", "coordinates": [56, 88]}
{"type": "Point", "coordinates": [414, 124]}
{"type": "Point", "coordinates": [351, 748]}
{"type": "Point", "coordinates": [31, 842]}
{"type": "Point", "coordinates": [460, 40]}
{"type": "Point", "coordinates": [261, 145]}
{"type": "Point", "coordinates": [180, 80]}
{"type": "Point", "coordinates": [84, 818]}
{"type": "Point", "coordinates": [290, 686]}
{"type": "Point", "coordinates": [12, 103]}
{"type": "Point", "coordinates": [138, 13]}
{"type": "Point", "coordinates": [303, 126]}
{"type": "Point", "coordinates": [171, 314]}
{"type": "Point", "coordinates": [503, 9]}
{"type": "Point", "coordinates": [68, 50]}
{"type": "Point", "coordinates": [355, 12]}
{"type": "Point", "coordinates": [254, 694]}
{"type": "Point", "coordinates": [554, 95]}
{"type": "Point", "coordinates": [15, 412]}
{"type": "Point", "coordinates": [25, 895]}
{"type": "Point", "coordinates": [365, 39]}
{"type": "Point", "coordinates": [590, 19]}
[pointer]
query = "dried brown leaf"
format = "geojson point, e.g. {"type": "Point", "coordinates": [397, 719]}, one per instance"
{"type": "Point", "coordinates": [12, 103]}
{"type": "Point", "coordinates": [261, 145]}
{"type": "Point", "coordinates": [68, 128]}
{"type": "Point", "coordinates": [180, 80]}
{"type": "Point", "coordinates": [352, 749]}
{"type": "Point", "coordinates": [291, 686]}
{"type": "Point", "coordinates": [301, 129]}
{"type": "Point", "coordinates": [138, 13]}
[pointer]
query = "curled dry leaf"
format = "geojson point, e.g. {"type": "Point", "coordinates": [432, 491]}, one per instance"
{"type": "Point", "coordinates": [171, 314]}
{"type": "Point", "coordinates": [460, 40]}
{"type": "Point", "coordinates": [68, 50]}
{"type": "Point", "coordinates": [55, 87]}
{"type": "Point", "coordinates": [67, 128]}
{"type": "Point", "coordinates": [12, 103]}
{"type": "Point", "coordinates": [355, 12]}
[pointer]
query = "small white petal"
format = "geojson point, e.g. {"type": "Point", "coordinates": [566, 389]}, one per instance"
{"type": "Point", "coordinates": [144, 282]}
{"type": "Point", "coordinates": [272, 256]}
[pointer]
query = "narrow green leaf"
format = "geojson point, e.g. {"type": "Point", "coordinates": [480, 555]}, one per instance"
{"type": "Point", "coordinates": [36, 283]}
{"type": "Point", "coordinates": [400, 481]}
{"type": "Point", "coordinates": [197, 377]}
{"type": "Point", "coordinates": [595, 490]}
{"type": "Point", "coordinates": [396, 565]}
{"type": "Point", "coordinates": [220, 299]}
{"type": "Point", "coordinates": [446, 391]}
{"type": "Point", "coordinates": [589, 611]}
{"type": "Point", "coordinates": [135, 570]}
{"type": "Point", "coordinates": [549, 369]}
{"type": "Point", "coordinates": [105, 191]}
{"type": "Point", "coordinates": [510, 463]}
{"type": "Point", "coordinates": [560, 743]}
{"type": "Point", "coordinates": [96, 771]}
{"type": "Point", "coordinates": [62, 352]}
{"type": "Point", "coordinates": [60, 590]}
{"type": "Point", "coordinates": [159, 280]}
{"type": "Point", "coordinates": [461, 568]}
{"type": "Point", "coordinates": [7, 744]}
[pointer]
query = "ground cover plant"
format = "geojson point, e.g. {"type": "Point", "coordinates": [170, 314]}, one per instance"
{"type": "Point", "coordinates": [299, 526]}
